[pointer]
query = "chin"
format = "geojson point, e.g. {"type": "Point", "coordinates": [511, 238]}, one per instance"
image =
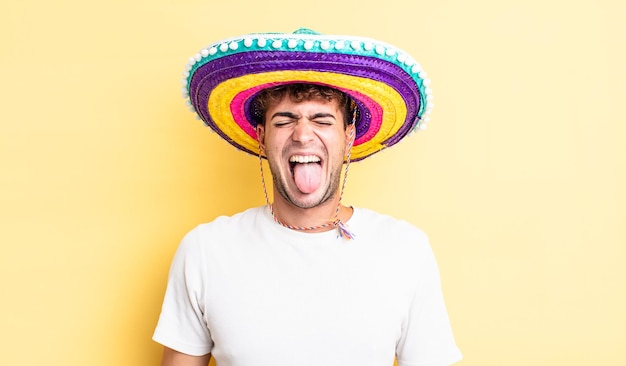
{"type": "Point", "coordinates": [309, 200]}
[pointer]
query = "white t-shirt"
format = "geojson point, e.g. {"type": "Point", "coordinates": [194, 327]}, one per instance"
{"type": "Point", "coordinates": [253, 293]}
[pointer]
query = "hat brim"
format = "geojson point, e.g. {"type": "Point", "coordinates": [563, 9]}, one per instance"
{"type": "Point", "coordinates": [385, 83]}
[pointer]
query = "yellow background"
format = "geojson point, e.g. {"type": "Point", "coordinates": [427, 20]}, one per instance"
{"type": "Point", "coordinates": [519, 180]}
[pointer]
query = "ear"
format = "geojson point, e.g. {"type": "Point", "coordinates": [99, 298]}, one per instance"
{"type": "Point", "coordinates": [260, 135]}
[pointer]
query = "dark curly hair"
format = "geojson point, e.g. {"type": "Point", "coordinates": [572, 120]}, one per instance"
{"type": "Point", "coordinates": [299, 92]}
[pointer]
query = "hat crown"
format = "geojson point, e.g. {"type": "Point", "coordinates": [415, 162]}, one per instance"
{"type": "Point", "coordinates": [305, 31]}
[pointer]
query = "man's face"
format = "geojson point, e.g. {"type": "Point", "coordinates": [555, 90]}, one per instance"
{"type": "Point", "coordinates": [305, 144]}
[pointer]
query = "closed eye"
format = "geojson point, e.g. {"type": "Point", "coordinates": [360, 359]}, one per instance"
{"type": "Point", "coordinates": [324, 122]}
{"type": "Point", "coordinates": [325, 119]}
{"type": "Point", "coordinates": [283, 118]}
{"type": "Point", "coordinates": [282, 123]}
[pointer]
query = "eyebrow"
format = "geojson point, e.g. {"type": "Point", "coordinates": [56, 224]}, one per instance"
{"type": "Point", "coordinates": [322, 115]}
{"type": "Point", "coordinates": [295, 116]}
{"type": "Point", "coordinates": [285, 114]}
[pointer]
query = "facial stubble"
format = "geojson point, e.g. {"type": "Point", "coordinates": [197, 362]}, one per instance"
{"type": "Point", "coordinates": [280, 184]}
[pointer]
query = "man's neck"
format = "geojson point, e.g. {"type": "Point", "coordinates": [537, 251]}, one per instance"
{"type": "Point", "coordinates": [325, 213]}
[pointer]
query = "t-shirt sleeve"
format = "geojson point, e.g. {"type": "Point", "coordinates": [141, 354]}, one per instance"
{"type": "Point", "coordinates": [427, 338]}
{"type": "Point", "coordinates": [182, 324]}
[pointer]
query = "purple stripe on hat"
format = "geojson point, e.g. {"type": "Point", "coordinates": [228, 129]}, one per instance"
{"type": "Point", "coordinates": [211, 74]}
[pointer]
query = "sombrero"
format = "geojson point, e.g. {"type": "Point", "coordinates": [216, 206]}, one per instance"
{"type": "Point", "coordinates": [389, 87]}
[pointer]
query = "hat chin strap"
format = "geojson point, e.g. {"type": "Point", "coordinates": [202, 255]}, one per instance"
{"type": "Point", "coordinates": [342, 230]}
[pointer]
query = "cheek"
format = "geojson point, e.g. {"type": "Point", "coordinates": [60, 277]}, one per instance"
{"type": "Point", "coordinates": [274, 144]}
{"type": "Point", "coordinates": [336, 141]}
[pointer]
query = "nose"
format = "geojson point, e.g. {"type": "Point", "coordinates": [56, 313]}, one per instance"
{"type": "Point", "coordinates": [303, 131]}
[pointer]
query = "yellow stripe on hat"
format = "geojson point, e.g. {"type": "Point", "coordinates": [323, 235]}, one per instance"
{"type": "Point", "coordinates": [392, 104]}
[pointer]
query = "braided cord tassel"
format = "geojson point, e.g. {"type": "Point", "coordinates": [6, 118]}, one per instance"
{"type": "Point", "coordinates": [342, 228]}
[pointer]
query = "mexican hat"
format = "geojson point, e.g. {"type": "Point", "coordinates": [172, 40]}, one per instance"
{"type": "Point", "coordinates": [389, 87]}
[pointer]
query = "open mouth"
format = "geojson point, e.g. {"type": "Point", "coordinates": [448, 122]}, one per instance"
{"type": "Point", "coordinates": [306, 171]}
{"type": "Point", "coordinates": [302, 159]}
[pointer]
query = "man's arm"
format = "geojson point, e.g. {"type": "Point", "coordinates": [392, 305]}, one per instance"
{"type": "Point", "coordinates": [175, 358]}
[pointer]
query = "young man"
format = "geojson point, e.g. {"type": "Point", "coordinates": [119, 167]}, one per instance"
{"type": "Point", "coordinates": [306, 280]}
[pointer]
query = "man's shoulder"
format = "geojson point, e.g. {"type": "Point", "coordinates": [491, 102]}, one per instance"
{"type": "Point", "coordinates": [369, 219]}
{"type": "Point", "coordinates": [250, 214]}
{"type": "Point", "coordinates": [397, 240]}
{"type": "Point", "coordinates": [230, 224]}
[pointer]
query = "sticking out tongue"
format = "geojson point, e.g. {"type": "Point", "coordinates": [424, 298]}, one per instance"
{"type": "Point", "coordinates": [307, 176]}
